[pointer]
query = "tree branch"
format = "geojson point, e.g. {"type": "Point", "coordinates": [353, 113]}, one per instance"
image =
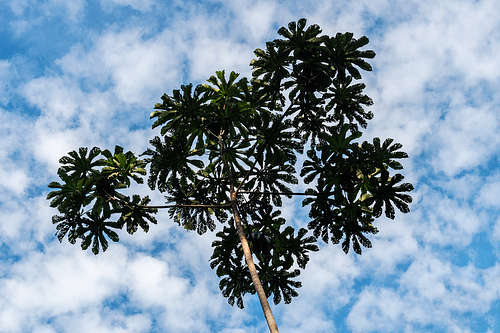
{"type": "Point", "coordinates": [187, 205]}
{"type": "Point", "coordinates": [286, 193]}
{"type": "Point", "coordinates": [228, 204]}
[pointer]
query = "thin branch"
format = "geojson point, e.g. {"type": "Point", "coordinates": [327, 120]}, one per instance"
{"type": "Point", "coordinates": [187, 205]}
{"type": "Point", "coordinates": [228, 204]}
{"type": "Point", "coordinates": [286, 193]}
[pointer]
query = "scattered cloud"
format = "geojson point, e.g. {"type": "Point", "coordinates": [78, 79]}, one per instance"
{"type": "Point", "coordinates": [489, 193]}
{"type": "Point", "coordinates": [431, 293]}
{"type": "Point", "coordinates": [434, 85]}
{"type": "Point", "coordinates": [27, 14]}
{"type": "Point", "coordinates": [140, 5]}
{"type": "Point", "coordinates": [466, 138]}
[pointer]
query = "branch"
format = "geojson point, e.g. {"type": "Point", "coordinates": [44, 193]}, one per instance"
{"type": "Point", "coordinates": [286, 193]}
{"type": "Point", "coordinates": [228, 204]}
{"type": "Point", "coordinates": [187, 205]}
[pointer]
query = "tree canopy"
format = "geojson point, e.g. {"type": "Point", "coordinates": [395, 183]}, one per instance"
{"type": "Point", "coordinates": [227, 153]}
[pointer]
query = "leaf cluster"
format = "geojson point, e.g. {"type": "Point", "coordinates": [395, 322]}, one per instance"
{"type": "Point", "coordinates": [232, 144]}
{"type": "Point", "coordinates": [88, 199]}
{"type": "Point", "coordinates": [280, 253]}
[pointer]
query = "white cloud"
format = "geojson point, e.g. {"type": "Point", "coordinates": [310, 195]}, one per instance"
{"type": "Point", "coordinates": [5, 77]}
{"type": "Point", "coordinates": [104, 321]}
{"type": "Point", "coordinates": [430, 292]}
{"type": "Point", "coordinates": [14, 174]}
{"type": "Point", "coordinates": [67, 284]}
{"type": "Point", "coordinates": [429, 57]}
{"type": "Point", "coordinates": [442, 221]}
{"type": "Point", "coordinates": [56, 97]}
{"type": "Point", "coordinates": [489, 194]}
{"type": "Point", "coordinates": [434, 67]}
{"type": "Point", "coordinates": [138, 68]}
{"type": "Point", "coordinates": [95, 86]}
{"type": "Point", "coordinates": [255, 18]}
{"type": "Point", "coordinates": [16, 216]}
{"type": "Point", "coordinates": [55, 283]}
{"type": "Point", "coordinates": [52, 144]}
{"type": "Point", "coordinates": [462, 187]}
{"type": "Point", "coordinates": [155, 287]}
{"type": "Point", "coordinates": [327, 285]}
{"type": "Point", "coordinates": [209, 55]}
{"type": "Point", "coordinates": [72, 10]}
{"type": "Point", "coordinates": [466, 138]}
{"type": "Point", "coordinates": [395, 244]}
{"type": "Point", "coordinates": [496, 230]}
{"type": "Point", "coordinates": [140, 5]}
{"type": "Point", "coordinates": [14, 180]}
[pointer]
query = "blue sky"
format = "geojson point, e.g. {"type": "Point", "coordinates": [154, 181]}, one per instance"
{"type": "Point", "coordinates": [77, 73]}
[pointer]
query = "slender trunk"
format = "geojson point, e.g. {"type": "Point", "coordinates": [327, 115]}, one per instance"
{"type": "Point", "coordinates": [273, 328]}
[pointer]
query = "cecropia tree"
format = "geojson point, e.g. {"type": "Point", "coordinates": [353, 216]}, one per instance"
{"type": "Point", "coordinates": [227, 153]}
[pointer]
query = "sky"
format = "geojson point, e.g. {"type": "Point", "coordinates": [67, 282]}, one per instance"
{"type": "Point", "coordinates": [88, 73]}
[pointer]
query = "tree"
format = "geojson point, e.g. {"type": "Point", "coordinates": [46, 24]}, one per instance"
{"type": "Point", "coordinates": [227, 153]}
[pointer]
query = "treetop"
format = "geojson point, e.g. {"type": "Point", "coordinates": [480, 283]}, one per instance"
{"type": "Point", "coordinates": [230, 145]}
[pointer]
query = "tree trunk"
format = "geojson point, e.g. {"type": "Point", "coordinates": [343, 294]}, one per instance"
{"type": "Point", "coordinates": [273, 328]}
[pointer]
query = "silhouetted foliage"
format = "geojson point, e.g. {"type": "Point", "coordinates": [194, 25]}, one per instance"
{"type": "Point", "coordinates": [239, 135]}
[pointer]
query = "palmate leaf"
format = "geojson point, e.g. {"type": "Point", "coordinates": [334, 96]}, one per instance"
{"type": "Point", "coordinates": [338, 215]}
{"type": "Point", "coordinates": [272, 178]}
{"type": "Point", "coordinates": [289, 245]}
{"type": "Point", "coordinates": [269, 243]}
{"type": "Point", "coordinates": [260, 243]}
{"type": "Point", "coordinates": [309, 71]}
{"type": "Point", "coordinates": [91, 229]}
{"type": "Point", "coordinates": [265, 226]}
{"type": "Point", "coordinates": [233, 155]}
{"type": "Point", "coordinates": [270, 69]}
{"type": "Point", "coordinates": [356, 223]}
{"type": "Point", "coordinates": [349, 223]}
{"type": "Point", "coordinates": [232, 114]}
{"type": "Point", "coordinates": [71, 195]}
{"type": "Point", "coordinates": [196, 219]}
{"type": "Point", "coordinates": [344, 55]}
{"type": "Point", "coordinates": [68, 224]}
{"type": "Point", "coordinates": [227, 259]}
{"type": "Point", "coordinates": [78, 164]}
{"type": "Point", "coordinates": [199, 219]}
{"type": "Point", "coordinates": [169, 159]}
{"type": "Point", "coordinates": [302, 42]}
{"type": "Point", "coordinates": [122, 166]}
{"type": "Point", "coordinates": [277, 251]}
{"type": "Point", "coordinates": [347, 102]}
{"type": "Point", "coordinates": [185, 113]}
{"type": "Point", "coordinates": [334, 161]}
{"type": "Point", "coordinates": [274, 140]}
{"type": "Point", "coordinates": [279, 283]}
{"type": "Point", "coordinates": [134, 215]}
{"type": "Point", "coordinates": [96, 193]}
{"type": "Point", "coordinates": [324, 217]}
{"type": "Point", "coordinates": [337, 145]}
{"type": "Point", "coordinates": [384, 155]}
{"type": "Point", "coordinates": [312, 167]}
{"type": "Point", "coordinates": [386, 192]}
{"type": "Point", "coordinates": [94, 231]}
